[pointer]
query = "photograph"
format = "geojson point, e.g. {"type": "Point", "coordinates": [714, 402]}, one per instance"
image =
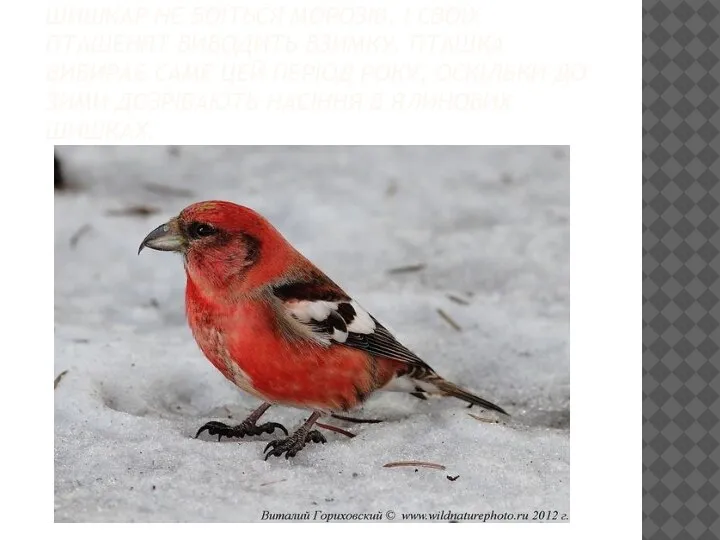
{"type": "Point", "coordinates": [312, 333]}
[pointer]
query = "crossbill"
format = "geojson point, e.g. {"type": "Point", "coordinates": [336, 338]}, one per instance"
{"type": "Point", "coordinates": [280, 329]}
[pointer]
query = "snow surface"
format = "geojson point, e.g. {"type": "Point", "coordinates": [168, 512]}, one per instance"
{"type": "Point", "coordinates": [490, 223]}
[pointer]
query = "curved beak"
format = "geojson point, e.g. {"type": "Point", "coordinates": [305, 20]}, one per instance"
{"type": "Point", "coordinates": [167, 237]}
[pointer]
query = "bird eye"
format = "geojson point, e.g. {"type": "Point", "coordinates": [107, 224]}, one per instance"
{"type": "Point", "coordinates": [199, 230]}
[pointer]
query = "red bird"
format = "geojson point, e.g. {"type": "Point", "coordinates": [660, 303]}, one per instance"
{"type": "Point", "coordinates": [280, 329]}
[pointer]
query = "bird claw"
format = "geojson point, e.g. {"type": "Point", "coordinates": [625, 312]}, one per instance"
{"type": "Point", "coordinates": [290, 446]}
{"type": "Point", "coordinates": [246, 428]}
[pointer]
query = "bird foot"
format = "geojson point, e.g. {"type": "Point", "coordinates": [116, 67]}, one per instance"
{"type": "Point", "coordinates": [246, 428]}
{"type": "Point", "coordinates": [291, 445]}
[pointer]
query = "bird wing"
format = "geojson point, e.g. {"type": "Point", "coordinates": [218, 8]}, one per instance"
{"type": "Point", "coordinates": [330, 316]}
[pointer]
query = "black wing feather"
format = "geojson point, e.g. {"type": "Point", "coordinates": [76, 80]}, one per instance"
{"type": "Point", "coordinates": [382, 343]}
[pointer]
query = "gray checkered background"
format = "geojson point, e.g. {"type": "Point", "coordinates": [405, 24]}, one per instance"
{"type": "Point", "coordinates": [681, 267]}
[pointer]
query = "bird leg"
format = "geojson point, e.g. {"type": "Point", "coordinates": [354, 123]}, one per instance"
{"type": "Point", "coordinates": [294, 443]}
{"type": "Point", "coordinates": [247, 427]}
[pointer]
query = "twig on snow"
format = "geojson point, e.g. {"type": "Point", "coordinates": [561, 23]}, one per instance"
{"type": "Point", "coordinates": [458, 300]}
{"type": "Point", "coordinates": [449, 320]}
{"type": "Point", "coordinates": [59, 378]}
{"type": "Point", "coordinates": [75, 238]}
{"type": "Point", "coordinates": [162, 189]}
{"type": "Point", "coordinates": [407, 269]}
{"type": "Point", "coordinates": [335, 429]}
{"type": "Point", "coordinates": [356, 420]}
{"type": "Point", "coordinates": [140, 210]}
{"type": "Point", "coordinates": [425, 464]}
{"type": "Point", "coordinates": [273, 482]}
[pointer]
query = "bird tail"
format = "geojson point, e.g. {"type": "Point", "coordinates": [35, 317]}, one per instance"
{"type": "Point", "coordinates": [420, 380]}
{"type": "Point", "coordinates": [450, 389]}
{"type": "Point", "coordinates": [426, 381]}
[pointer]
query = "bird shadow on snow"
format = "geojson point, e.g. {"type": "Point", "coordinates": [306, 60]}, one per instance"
{"type": "Point", "coordinates": [182, 400]}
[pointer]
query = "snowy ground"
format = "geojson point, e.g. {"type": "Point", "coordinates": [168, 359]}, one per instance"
{"type": "Point", "coordinates": [491, 226]}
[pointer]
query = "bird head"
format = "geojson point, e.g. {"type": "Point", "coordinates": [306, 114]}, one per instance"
{"type": "Point", "coordinates": [223, 244]}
